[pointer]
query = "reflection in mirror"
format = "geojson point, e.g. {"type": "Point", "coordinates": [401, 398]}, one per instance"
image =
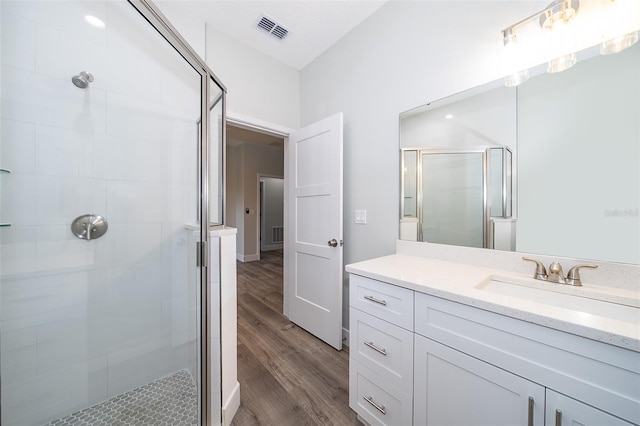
{"type": "Point", "coordinates": [576, 167]}
{"type": "Point", "coordinates": [462, 197]}
{"type": "Point", "coordinates": [409, 183]}
{"type": "Point", "coordinates": [453, 208]}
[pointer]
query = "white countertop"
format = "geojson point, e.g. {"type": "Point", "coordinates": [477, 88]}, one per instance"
{"type": "Point", "coordinates": [460, 283]}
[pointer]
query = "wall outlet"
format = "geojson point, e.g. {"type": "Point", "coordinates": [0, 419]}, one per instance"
{"type": "Point", "coordinates": [361, 216]}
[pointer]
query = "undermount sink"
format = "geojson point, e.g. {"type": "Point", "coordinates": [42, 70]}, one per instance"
{"type": "Point", "coordinates": [584, 301]}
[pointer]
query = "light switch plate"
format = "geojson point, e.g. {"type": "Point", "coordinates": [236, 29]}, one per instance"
{"type": "Point", "coordinates": [361, 216]}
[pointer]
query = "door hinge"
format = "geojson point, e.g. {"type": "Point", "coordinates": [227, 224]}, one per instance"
{"type": "Point", "coordinates": [201, 254]}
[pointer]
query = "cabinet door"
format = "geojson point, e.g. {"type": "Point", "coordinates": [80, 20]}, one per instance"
{"type": "Point", "coordinates": [565, 411]}
{"type": "Point", "coordinates": [452, 388]}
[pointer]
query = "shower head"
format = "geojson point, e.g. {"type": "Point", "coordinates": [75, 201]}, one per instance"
{"type": "Point", "coordinates": [82, 80]}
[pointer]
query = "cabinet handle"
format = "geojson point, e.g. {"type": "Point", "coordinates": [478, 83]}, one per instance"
{"type": "Point", "coordinates": [558, 418]}
{"type": "Point", "coordinates": [373, 299]}
{"type": "Point", "coordinates": [380, 408]}
{"type": "Point", "coordinates": [375, 348]}
{"type": "Point", "coordinates": [530, 417]}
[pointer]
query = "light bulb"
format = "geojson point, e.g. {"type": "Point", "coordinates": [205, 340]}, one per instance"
{"type": "Point", "coordinates": [516, 78]}
{"type": "Point", "coordinates": [562, 63]}
{"type": "Point", "coordinates": [618, 44]}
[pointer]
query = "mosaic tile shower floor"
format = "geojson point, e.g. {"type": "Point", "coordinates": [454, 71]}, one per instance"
{"type": "Point", "coordinates": [172, 400]}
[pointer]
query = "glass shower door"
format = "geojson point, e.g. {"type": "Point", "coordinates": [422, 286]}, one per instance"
{"type": "Point", "coordinates": [100, 117]}
{"type": "Point", "coordinates": [453, 198]}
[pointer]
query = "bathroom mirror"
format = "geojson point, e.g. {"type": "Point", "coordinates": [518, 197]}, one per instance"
{"type": "Point", "coordinates": [574, 138]}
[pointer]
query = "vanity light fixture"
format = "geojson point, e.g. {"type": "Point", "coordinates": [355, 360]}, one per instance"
{"type": "Point", "coordinates": [559, 11]}
{"type": "Point", "coordinates": [516, 78]}
{"type": "Point", "coordinates": [618, 44]}
{"type": "Point", "coordinates": [562, 63]}
{"type": "Point", "coordinates": [556, 13]}
{"type": "Point", "coordinates": [509, 37]}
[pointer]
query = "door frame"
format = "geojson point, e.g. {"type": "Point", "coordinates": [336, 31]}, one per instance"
{"type": "Point", "coordinates": [259, 211]}
{"type": "Point", "coordinates": [261, 126]}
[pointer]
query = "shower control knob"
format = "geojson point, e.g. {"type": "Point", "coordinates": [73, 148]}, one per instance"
{"type": "Point", "coordinates": [89, 226]}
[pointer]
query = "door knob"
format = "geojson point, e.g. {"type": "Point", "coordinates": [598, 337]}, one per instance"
{"type": "Point", "coordinates": [333, 243]}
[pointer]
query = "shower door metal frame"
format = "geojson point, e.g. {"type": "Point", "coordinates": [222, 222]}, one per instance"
{"type": "Point", "coordinates": [161, 24]}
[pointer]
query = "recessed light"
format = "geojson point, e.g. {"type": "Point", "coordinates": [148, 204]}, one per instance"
{"type": "Point", "coordinates": [448, 116]}
{"type": "Point", "coordinates": [96, 22]}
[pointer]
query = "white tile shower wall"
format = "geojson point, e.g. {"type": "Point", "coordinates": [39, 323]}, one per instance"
{"type": "Point", "coordinates": [93, 319]}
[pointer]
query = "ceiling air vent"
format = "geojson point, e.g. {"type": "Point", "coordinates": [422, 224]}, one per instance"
{"type": "Point", "coordinates": [272, 27]}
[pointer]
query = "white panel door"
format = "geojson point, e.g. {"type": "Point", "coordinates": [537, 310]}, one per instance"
{"type": "Point", "coordinates": [313, 250]}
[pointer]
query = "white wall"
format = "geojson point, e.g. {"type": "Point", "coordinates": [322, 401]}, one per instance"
{"type": "Point", "coordinates": [258, 86]}
{"type": "Point", "coordinates": [234, 190]}
{"type": "Point", "coordinates": [406, 54]}
{"type": "Point", "coordinates": [85, 321]}
{"type": "Point", "coordinates": [250, 161]}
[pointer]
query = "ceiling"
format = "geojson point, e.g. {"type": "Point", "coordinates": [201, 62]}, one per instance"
{"type": "Point", "coordinates": [314, 25]}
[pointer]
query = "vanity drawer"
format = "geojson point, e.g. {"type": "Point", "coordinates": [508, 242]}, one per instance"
{"type": "Point", "coordinates": [376, 400]}
{"type": "Point", "coordinates": [391, 303]}
{"type": "Point", "coordinates": [383, 347]}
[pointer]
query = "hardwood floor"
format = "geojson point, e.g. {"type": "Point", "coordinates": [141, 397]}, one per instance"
{"type": "Point", "coordinates": [287, 376]}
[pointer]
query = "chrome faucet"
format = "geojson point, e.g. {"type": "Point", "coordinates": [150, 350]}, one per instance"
{"type": "Point", "coordinates": [556, 275]}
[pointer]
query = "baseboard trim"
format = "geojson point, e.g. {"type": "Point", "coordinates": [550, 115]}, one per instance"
{"type": "Point", "coordinates": [345, 336]}
{"type": "Point", "coordinates": [230, 407]}
{"type": "Point", "coordinates": [248, 258]}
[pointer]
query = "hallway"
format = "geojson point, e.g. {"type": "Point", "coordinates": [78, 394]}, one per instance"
{"type": "Point", "coordinates": [287, 376]}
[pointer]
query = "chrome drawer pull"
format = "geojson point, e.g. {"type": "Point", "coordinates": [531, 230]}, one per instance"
{"type": "Point", "coordinates": [373, 299]}
{"type": "Point", "coordinates": [380, 408]}
{"type": "Point", "coordinates": [558, 418]}
{"type": "Point", "coordinates": [375, 348]}
{"type": "Point", "coordinates": [530, 414]}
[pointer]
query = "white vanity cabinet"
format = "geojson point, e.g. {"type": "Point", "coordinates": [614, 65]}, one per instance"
{"type": "Point", "coordinates": [424, 360]}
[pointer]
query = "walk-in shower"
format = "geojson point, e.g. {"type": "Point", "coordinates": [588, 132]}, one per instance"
{"type": "Point", "coordinates": [82, 80]}
{"type": "Point", "coordinates": [102, 302]}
